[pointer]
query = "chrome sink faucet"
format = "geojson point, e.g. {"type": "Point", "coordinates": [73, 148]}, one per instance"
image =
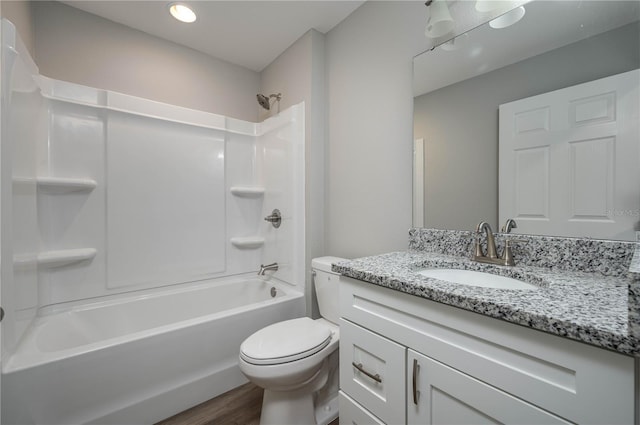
{"type": "Point", "coordinates": [263, 268]}
{"type": "Point", "coordinates": [508, 225]}
{"type": "Point", "coordinates": [491, 255]}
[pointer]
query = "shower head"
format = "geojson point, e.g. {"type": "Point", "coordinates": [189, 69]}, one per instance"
{"type": "Point", "coordinates": [264, 100]}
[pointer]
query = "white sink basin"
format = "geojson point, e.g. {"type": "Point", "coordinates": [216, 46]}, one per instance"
{"type": "Point", "coordinates": [474, 278]}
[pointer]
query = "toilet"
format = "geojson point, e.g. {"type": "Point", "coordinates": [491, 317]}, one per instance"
{"type": "Point", "coordinates": [296, 361]}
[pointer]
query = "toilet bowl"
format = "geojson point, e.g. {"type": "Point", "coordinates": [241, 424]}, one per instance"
{"type": "Point", "coordinates": [296, 361]}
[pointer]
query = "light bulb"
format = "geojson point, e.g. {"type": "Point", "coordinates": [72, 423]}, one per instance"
{"type": "Point", "coordinates": [182, 13]}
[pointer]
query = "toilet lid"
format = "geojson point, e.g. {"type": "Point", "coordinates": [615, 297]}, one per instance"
{"type": "Point", "coordinates": [285, 342]}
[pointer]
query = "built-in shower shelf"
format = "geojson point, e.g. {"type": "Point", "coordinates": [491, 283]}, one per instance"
{"type": "Point", "coordinates": [251, 242]}
{"type": "Point", "coordinates": [61, 185]}
{"type": "Point", "coordinates": [57, 258]}
{"type": "Point", "coordinates": [247, 191]}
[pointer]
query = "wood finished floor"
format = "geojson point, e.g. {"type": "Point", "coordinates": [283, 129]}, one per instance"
{"type": "Point", "coordinates": [240, 406]}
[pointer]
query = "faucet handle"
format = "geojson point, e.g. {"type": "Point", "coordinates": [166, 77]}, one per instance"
{"type": "Point", "coordinates": [275, 218]}
{"type": "Point", "coordinates": [478, 246]}
{"type": "Point", "coordinates": [507, 254]}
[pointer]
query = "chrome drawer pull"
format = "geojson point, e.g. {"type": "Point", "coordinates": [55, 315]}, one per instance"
{"type": "Point", "coordinates": [416, 393]}
{"type": "Point", "coordinates": [375, 377]}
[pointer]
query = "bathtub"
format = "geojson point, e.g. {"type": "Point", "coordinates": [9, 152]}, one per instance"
{"type": "Point", "coordinates": [140, 358]}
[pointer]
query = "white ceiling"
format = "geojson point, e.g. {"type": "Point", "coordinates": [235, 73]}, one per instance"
{"type": "Point", "coordinates": [247, 33]}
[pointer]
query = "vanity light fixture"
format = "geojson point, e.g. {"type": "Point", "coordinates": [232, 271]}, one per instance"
{"type": "Point", "coordinates": [508, 18]}
{"type": "Point", "coordinates": [182, 12]}
{"type": "Point", "coordinates": [485, 6]}
{"type": "Point", "coordinates": [439, 21]}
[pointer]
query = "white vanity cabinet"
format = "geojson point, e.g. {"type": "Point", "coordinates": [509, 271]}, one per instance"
{"type": "Point", "coordinates": [468, 368]}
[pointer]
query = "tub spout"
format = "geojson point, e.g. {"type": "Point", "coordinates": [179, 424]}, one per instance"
{"type": "Point", "coordinates": [263, 268]}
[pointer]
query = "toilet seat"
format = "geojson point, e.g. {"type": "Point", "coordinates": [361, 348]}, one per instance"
{"type": "Point", "coordinates": [285, 342]}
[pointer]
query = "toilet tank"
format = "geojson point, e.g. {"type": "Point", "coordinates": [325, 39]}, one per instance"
{"type": "Point", "coordinates": [326, 284]}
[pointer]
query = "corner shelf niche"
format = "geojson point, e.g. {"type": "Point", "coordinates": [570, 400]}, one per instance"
{"type": "Point", "coordinates": [57, 185]}
{"type": "Point", "coordinates": [55, 258]}
{"type": "Point", "coordinates": [249, 242]}
{"type": "Point", "coordinates": [60, 185]}
{"type": "Point", "coordinates": [247, 191]}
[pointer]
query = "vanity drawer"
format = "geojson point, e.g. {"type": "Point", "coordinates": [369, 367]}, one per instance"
{"type": "Point", "coordinates": [372, 372]}
{"type": "Point", "coordinates": [352, 413]}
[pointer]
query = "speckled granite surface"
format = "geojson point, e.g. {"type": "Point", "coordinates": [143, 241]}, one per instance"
{"type": "Point", "coordinates": [611, 258]}
{"type": "Point", "coordinates": [599, 307]}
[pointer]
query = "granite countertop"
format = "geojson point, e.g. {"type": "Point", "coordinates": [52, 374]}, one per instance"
{"type": "Point", "coordinates": [587, 307]}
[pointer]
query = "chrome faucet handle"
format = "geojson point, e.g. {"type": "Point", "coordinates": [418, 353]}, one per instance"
{"type": "Point", "coordinates": [275, 218]}
{"type": "Point", "coordinates": [507, 254]}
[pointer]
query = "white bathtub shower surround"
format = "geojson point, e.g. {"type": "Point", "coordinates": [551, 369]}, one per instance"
{"type": "Point", "coordinates": [111, 203]}
{"type": "Point", "coordinates": [163, 211]}
{"type": "Point", "coordinates": [139, 359]}
{"type": "Point", "coordinates": [145, 186]}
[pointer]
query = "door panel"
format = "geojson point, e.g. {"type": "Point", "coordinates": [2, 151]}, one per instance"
{"type": "Point", "coordinates": [570, 160]}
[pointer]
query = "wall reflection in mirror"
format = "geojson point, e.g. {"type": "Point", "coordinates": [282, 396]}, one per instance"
{"type": "Point", "coordinates": [562, 153]}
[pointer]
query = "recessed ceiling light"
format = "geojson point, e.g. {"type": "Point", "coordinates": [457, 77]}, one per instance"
{"type": "Point", "coordinates": [182, 13]}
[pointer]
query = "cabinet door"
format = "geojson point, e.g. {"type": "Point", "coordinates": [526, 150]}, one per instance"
{"type": "Point", "coordinates": [372, 372]}
{"type": "Point", "coordinates": [438, 394]}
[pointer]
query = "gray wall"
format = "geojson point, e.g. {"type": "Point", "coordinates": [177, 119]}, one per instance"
{"type": "Point", "coordinates": [370, 115]}
{"type": "Point", "coordinates": [76, 46]}
{"type": "Point", "coordinates": [460, 122]}
{"type": "Point", "coordinates": [299, 74]}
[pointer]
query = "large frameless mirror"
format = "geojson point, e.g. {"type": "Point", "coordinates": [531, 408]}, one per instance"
{"type": "Point", "coordinates": [459, 87]}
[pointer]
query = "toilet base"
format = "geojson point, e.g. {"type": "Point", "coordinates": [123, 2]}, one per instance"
{"type": "Point", "coordinates": [327, 412]}
{"type": "Point", "coordinates": [281, 409]}
{"type": "Point", "coordinates": [326, 399]}
{"type": "Point", "coordinates": [295, 406]}
{"type": "Point", "coordinates": [313, 403]}
{"type": "Point", "coordinates": [287, 408]}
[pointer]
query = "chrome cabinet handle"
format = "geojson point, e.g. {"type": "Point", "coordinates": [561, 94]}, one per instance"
{"type": "Point", "coordinates": [375, 377]}
{"type": "Point", "coordinates": [416, 393]}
